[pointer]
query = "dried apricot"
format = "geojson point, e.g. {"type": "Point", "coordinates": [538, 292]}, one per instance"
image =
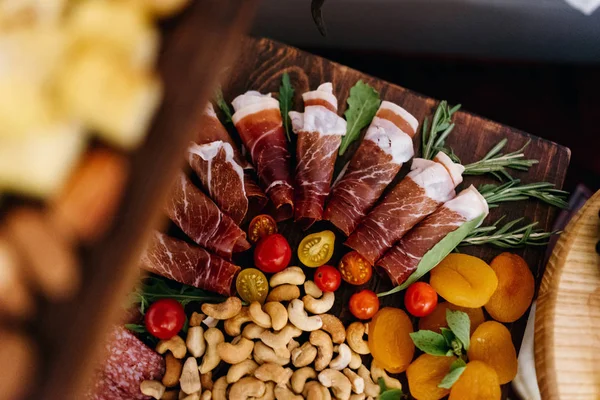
{"type": "Point", "coordinates": [478, 381]}
{"type": "Point", "coordinates": [389, 339]}
{"type": "Point", "coordinates": [492, 344]}
{"type": "Point", "coordinates": [425, 374]}
{"type": "Point", "coordinates": [464, 280]}
{"type": "Point", "coordinates": [437, 319]}
{"type": "Point", "coordinates": [515, 289]}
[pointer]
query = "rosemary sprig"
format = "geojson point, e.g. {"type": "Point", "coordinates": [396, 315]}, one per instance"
{"type": "Point", "coordinates": [496, 163]}
{"type": "Point", "coordinates": [507, 236]}
{"type": "Point", "coordinates": [514, 191]}
{"type": "Point", "coordinates": [434, 137]}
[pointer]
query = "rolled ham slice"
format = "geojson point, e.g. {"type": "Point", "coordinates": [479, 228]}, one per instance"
{"type": "Point", "coordinates": [175, 259]}
{"type": "Point", "coordinates": [200, 219]}
{"type": "Point", "coordinates": [320, 130]}
{"type": "Point", "coordinates": [385, 147]}
{"type": "Point", "coordinates": [402, 260]}
{"type": "Point", "coordinates": [259, 123]}
{"type": "Point", "coordinates": [420, 193]}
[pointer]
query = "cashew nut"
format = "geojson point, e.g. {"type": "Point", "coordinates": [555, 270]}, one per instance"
{"type": "Point", "coordinates": [324, 349]}
{"type": "Point", "coordinates": [173, 367]}
{"type": "Point", "coordinates": [361, 396]}
{"type": "Point", "coordinates": [225, 310]}
{"type": "Point", "coordinates": [321, 305]}
{"type": "Point", "coordinates": [290, 275]}
{"type": "Point", "coordinates": [210, 322]}
{"type": "Point", "coordinates": [239, 370]}
{"type": "Point", "coordinates": [190, 377]}
{"type": "Point", "coordinates": [339, 384]}
{"type": "Point", "coordinates": [304, 355]}
{"type": "Point", "coordinates": [252, 331]}
{"type": "Point", "coordinates": [284, 293]}
{"type": "Point", "coordinates": [293, 344]}
{"type": "Point", "coordinates": [206, 381]}
{"type": "Point", "coordinates": [278, 341]}
{"type": "Point", "coordinates": [258, 316]}
{"type": "Point", "coordinates": [193, 396]}
{"type": "Point", "coordinates": [245, 388]}
{"type": "Point", "coordinates": [206, 395]}
{"type": "Point", "coordinates": [371, 388]}
{"type": "Point", "coordinates": [233, 326]}
{"type": "Point", "coordinates": [283, 393]}
{"type": "Point", "coordinates": [263, 353]}
{"type": "Point", "coordinates": [358, 383]}
{"type": "Point", "coordinates": [300, 318]}
{"type": "Point", "coordinates": [378, 372]}
{"type": "Point", "coordinates": [278, 314]}
{"type": "Point", "coordinates": [354, 337]}
{"type": "Point", "coordinates": [154, 389]}
{"type": "Point", "coordinates": [273, 372]}
{"type": "Point", "coordinates": [343, 358]}
{"type": "Point", "coordinates": [235, 353]}
{"type": "Point", "coordinates": [300, 377]}
{"type": "Point", "coordinates": [355, 361]}
{"type": "Point", "coordinates": [333, 326]}
{"type": "Point", "coordinates": [311, 289]}
{"type": "Point", "coordinates": [219, 390]}
{"type": "Point", "coordinates": [211, 358]}
{"type": "Point", "coordinates": [195, 342]}
{"type": "Point", "coordinates": [176, 345]}
{"type": "Point", "coordinates": [313, 390]}
{"type": "Point", "coordinates": [196, 319]}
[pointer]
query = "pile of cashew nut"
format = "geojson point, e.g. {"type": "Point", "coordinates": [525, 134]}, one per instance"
{"type": "Point", "coordinates": [287, 349]}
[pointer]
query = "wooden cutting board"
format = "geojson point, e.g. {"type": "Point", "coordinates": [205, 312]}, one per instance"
{"type": "Point", "coordinates": [260, 67]}
{"type": "Point", "coordinates": [567, 324]}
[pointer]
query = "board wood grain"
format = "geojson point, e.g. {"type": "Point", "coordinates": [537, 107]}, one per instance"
{"type": "Point", "coordinates": [260, 67]}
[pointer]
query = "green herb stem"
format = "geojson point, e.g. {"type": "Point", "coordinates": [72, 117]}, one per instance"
{"type": "Point", "coordinates": [507, 236]}
{"type": "Point", "coordinates": [434, 136]}
{"type": "Point", "coordinates": [514, 191]}
{"type": "Point", "coordinates": [496, 163]}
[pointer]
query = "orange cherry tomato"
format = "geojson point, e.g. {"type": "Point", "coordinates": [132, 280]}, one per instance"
{"type": "Point", "coordinates": [355, 269]}
{"type": "Point", "coordinates": [420, 299]}
{"type": "Point", "coordinates": [261, 226]}
{"type": "Point", "coordinates": [364, 304]}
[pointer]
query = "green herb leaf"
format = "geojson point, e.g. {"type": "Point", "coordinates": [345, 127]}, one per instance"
{"type": "Point", "coordinates": [430, 342]}
{"type": "Point", "coordinates": [496, 163]}
{"type": "Point", "coordinates": [434, 135]}
{"type": "Point", "coordinates": [448, 336]}
{"type": "Point", "coordinates": [459, 363]}
{"type": "Point", "coordinates": [506, 237]}
{"type": "Point", "coordinates": [222, 104]}
{"type": "Point", "coordinates": [394, 394]}
{"type": "Point", "coordinates": [515, 191]}
{"type": "Point", "coordinates": [154, 288]}
{"type": "Point", "coordinates": [286, 96]}
{"type": "Point", "coordinates": [382, 385]}
{"type": "Point", "coordinates": [137, 328]}
{"type": "Point", "coordinates": [434, 256]}
{"type": "Point", "coordinates": [363, 103]}
{"type": "Point", "coordinates": [456, 370]}
{"type": "Point", "coordinates": [460, 324]}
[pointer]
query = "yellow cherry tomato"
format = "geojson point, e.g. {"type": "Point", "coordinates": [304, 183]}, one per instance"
{"type": "Point", "coordinates": [316, 249]}
{"type": "Point", "coordinates": [252, 285]}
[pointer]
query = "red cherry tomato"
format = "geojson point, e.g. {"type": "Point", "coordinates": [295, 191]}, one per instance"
{"type": "Point", "coordinates": [328, 278]}
{"type": "Point", "coordinates": [364, 304]}
{"type": "Point", "coordinates": [272, 253]}
{"type": "Point", "coordinates": [165, 318]}
{"type": "Point", "coordinates": [420, 299]}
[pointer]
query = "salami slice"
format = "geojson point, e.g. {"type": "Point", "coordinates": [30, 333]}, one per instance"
{"type": "Point", "coordinates": [200, 219]}
{"type": "Point", "coordinates": [320, 132]}
{"type": "Point", "coordinates": [175, 259]}
{"type": "Point", "coordinates": [385, 147]}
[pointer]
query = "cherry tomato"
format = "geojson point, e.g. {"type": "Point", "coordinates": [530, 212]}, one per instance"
{"type": "Point", "coordinates": [252, 285]}
{"type": "Point", "coordinates": [261, 226]}
{"type": "Point", "coordinates": [272, 253]}
{"type": "Point", "coordinates": [164, 318]}
{"type": "Point", "coordinates": [420, 299]}
{"type": "Point", "coordinates": [355, 269]}
{"type": "Point", "coordinates": [328, 278]}
{"type": "Point", "coordinates": [364, 304]}
{"type": "Point", "coordinates": [316, 249]}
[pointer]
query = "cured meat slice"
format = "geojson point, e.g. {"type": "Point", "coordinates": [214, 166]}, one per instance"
{"type": "Point", "coordinates": [320, 132]}
{"type": "Point", "coordinates": [200, 219]}
{"type": "Point", "coordinates": [420, 193]}
{"type": "Point", "coordinates": [175, 259]}
{"type": "Point", "coordinates": [385, 147]}
{"type": "Point", "coordinates": [402, 260]}
{"type": "Point", "coordinates": [258, 120]}
{"type": "Point", "coordinates": [128, 363]}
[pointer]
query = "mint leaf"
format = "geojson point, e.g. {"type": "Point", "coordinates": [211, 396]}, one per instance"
{"type": "Point", "coordinates": [452, 376]}
{"type": "Point", "coordinates": [430, 342]}
{"type": "Point", "coordinates": [458, 364]}
{"type": "Point", "coordinates": [363, 103]}
{"type": "Point", "coordinates": [448, 335]}
{"type": "Point", "coordinates": [460, 324]}
{"type": "Point", "coordinates": [222, 104]}
{"type": "Point", "coordinates": [394, 394]}
{"type": "Point", "coordinates": [286, 95]}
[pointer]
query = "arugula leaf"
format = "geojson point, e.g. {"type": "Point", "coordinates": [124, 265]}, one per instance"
{"type": "Point", "coordinates": [137, 328]}
{"type": "Point", "coordinates": [460, 324]}
{"type": "Point", "coordinates": [430, 342]}
{"type": "Point", "coordinates": [363, 103]}
{"type": "Point", "coordinates": [155, 288]}
{"type": "Point", "coordinates": [222, 104]}
{"type": "Point", "coordinates": [286, 95]}
{"type": "Point", "coordinates": [142, 333]}
{"type": "Point", "coordinates": [456, 370]}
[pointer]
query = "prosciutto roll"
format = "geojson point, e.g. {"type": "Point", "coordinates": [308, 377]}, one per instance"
{"type": "Point", "coordinates": [320, 130]}
{"type": "Point", "coordinates": [175, 259]}
{"type": "Point", "coordinates": [420, 193]}
{"type": "Point", "coordinates": [258, 120]}
{"type": "Point", "coordinates": [200, 219]}
{"type": "Point", "coordinates": [402, 260]}
{"type": "Point", "coordinates": [385, 147]}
